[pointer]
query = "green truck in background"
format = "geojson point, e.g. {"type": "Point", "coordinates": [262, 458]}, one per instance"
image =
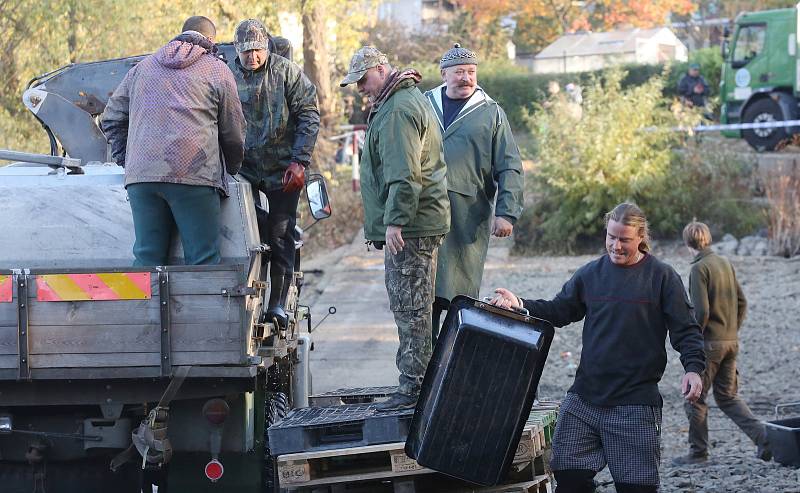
{"type": "Point", "coordinates": [760, 80]}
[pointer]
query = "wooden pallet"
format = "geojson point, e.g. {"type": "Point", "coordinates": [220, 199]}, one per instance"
{"type": "Point", "coordinates": [346, 465]}
{"type": "Point", "coordinates": [531, 444]}
{"type": "Point", "coordinates": [539, 484]}
{"type": "Point", "coordinates": [387, 464]}
{"type": "Point", "coordinates": [325, 466]}
{"type": "Point", "coordinates": [388, 461]}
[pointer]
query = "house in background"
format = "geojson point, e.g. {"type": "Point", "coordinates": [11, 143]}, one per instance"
{"type": "Point", "coordinates": [585, 51]}
{"type": "Point", "coordinates": [418, 15]}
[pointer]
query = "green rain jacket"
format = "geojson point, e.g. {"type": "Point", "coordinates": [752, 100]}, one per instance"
{"type": "Point", "coordinates": [484, 169]}
{"type": "Point", "coordinates": [403, 175]}
{"type": "Point", "coordinates": [280, 106]}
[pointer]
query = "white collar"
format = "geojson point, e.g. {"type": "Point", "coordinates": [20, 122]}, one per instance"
{"type": "Point", "coordinates": [478, 97]}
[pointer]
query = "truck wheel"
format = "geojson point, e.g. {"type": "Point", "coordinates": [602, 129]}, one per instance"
{"type": "Point", "coordinates": [764, 139]}
{"type": "Point", "coordinates": [276, 408]}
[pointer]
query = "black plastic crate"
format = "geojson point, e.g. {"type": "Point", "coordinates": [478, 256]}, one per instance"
{"type": "Point", "coordinates": [784, 440]}
{"type": "Point", "coordinates": [321, 428]}
{"type": "Point", "coordinates": [478, 391]}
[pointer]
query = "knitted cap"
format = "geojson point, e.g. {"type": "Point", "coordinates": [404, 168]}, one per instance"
{"type": "Point", "coordinates": [458, 56]}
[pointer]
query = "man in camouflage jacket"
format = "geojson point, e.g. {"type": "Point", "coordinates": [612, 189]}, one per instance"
{"type": "Point", "coordinates": [173, 122]}
{"type": "Point", "coordinates": [280, 106]}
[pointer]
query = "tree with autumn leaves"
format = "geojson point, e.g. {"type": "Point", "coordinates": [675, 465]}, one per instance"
{"type": "Point", "coordinates": [539, 22]}
{"type": "Point", "coordinates": [41, 36]}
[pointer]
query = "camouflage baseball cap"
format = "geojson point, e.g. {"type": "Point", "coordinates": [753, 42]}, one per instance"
{"type": "Point", "coordinates": [364, 59]}
{"type": "Point", "coordinates": [250, 35]}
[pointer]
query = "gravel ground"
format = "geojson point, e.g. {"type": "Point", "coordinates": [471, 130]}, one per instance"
{"type": "Point", "coordinates": [769, 366]}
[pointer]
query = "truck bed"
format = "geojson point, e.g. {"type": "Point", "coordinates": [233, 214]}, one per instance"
{"type": "Point", "coordinates": [204, 327]}
{"type": "Point", "coordinates": [68, 239]}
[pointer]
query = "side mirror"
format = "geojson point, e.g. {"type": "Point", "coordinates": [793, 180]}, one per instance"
{"type": "Point", "coordinates": [725, 49]}
{"type": "Point", "coordinates": [317, 193]}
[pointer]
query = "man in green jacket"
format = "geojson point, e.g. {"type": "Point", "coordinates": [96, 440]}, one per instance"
{"type": "Point", "coordinates": [404, 192]}
{"type": "Point", "coordinates": [484, 172]}
{"type": "Point", "coordinates": [280, 106]}
{"type": "Point", "coordinates": [720, 307]}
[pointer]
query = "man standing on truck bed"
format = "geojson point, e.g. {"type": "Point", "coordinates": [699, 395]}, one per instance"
{"type": "Point", "coordinates": [483, 164]}
{"type": "Point", "coordinates": [280, 106]}
{"type": "Point", "coordinates": [629, 301]}
{"type": "Point", "coordinates": [404, 191]}
{"type": "Point", "coordinates": [173, 122]}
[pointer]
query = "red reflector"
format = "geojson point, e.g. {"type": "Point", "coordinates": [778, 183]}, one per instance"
{"type": "Point", "coordinates": [214, 470]}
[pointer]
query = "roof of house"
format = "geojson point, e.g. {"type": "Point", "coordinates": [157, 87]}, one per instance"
{"type": "Point", "coordinates": [607, 43]}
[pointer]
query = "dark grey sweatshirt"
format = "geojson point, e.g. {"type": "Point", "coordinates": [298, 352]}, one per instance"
{"type": "Point", "coordinates": [628, 311]}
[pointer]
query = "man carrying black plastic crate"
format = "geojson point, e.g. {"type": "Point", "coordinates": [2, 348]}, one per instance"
{"type": "Point", "coordinates": [629, 301]}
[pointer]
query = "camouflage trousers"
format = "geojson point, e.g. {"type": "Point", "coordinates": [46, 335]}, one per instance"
{"type": "Point", "coordinates": [410, 278]}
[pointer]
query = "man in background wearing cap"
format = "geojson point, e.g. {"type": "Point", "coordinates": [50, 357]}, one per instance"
{"type": "Point", "coordinates": [406, 209]}
{"type": "Point", "coordinates": [484, 172]}
{"type": "Point", "coordinates": [693, 88]}
{"type": "Point", "coordinates": [280, 106]}
{"type": "Point", "coordinates": [173, 122]}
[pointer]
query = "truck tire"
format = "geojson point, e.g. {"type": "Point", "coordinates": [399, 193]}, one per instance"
{"type": "Point", "coordinates": [766, 139]}
{"type": "Point", "coordinates": [276, 407]}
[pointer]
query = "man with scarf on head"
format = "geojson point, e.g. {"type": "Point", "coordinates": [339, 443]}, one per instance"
{"type": "Point", "coordinates": [173, 122]}
{"type": "Point", "coordinates": [484, 172]}
{"type": "Point", "coordinates": [406, 210]}
{"type": "Point", "coordinates": [280, 106]}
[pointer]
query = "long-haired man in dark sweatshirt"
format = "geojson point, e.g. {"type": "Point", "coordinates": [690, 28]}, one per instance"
{"type": "Point", "coordinates": [629, 301]}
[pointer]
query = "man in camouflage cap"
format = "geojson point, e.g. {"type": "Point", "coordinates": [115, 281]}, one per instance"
{"type": "Point", "coordinates": [280, 106]}
{"type": "Point", "coordinates": [251, 35]}
{"type": "Point", "coordinates": [405, 205]}
{"type": "Point", "coordinates": [484, 176]}
{"type": "Point", "coordinates": [364, 59]}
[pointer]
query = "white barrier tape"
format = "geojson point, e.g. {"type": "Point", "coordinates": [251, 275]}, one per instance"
{"type": "Point", "coordinates": [728, 126]}
{"type": "Point", "coordinates": [746, 126]}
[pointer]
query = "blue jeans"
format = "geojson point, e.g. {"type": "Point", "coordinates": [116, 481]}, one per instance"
{"type": "Point", "coordinates": [158, 208]}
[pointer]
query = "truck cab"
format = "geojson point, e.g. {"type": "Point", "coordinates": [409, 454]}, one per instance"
{"type": "Point", "coordinates": [759, 82]}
